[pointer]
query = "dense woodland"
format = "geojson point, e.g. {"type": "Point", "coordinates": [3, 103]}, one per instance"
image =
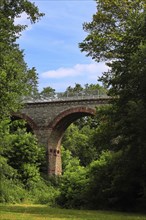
{"type": "Point", "coordinates": [104, 157]}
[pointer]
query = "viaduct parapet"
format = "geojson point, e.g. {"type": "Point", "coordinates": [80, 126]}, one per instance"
{"type": "Point", "coordinates": [49, 120]}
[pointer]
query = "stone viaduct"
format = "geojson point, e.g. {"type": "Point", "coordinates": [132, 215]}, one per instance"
{"type": "Point", "coordinates": [49, 119]}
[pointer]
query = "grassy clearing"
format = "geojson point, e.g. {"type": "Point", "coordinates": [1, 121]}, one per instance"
{"type": "Point", "coordinates": [42, 212]}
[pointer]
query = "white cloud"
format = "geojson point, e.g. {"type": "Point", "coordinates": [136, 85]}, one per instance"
{"type": "Point", "coordinates": [92, 69]}
{"type": "Point", "coordinates": [61, 78]}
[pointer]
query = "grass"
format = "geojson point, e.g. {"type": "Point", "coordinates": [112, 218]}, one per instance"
{"type": "Point", "coordinates": [42, 212]}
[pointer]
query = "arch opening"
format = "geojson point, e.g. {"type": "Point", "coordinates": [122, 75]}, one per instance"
{"type": "Point", "coordinates": [30, 125]}
{"type": "Point", "coordinates": [58, 127]}
{"type": "Point", "coordinates": [27, 126]}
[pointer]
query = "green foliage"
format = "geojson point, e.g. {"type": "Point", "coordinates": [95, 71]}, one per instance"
{"type": "Point", "coordinates": [117, 34]}
{"type": "Point", "coordinates": [94, 89]}
{"type": "Point", "coordinates": [72, 186]}
{"type": "Point", "coordinates": [6, 170]}
{"type": "Point", "coordinates": [110, 184]}
{"type": "Point", "coordinates": [66, 156]}
{"type": "Point", "coordinates": [78, 140]}
{"type": "Point", "coordinates": [47, 92]}
{"type": "Point", "coordinates": [16, 79]}
{"type": "Point", "coordinates": [104, 162]}
{"type": "Point", "coordinates": [4, 137]}
{"type": "Point", "coordinates": [20, 162]}
{"type": "Point", "coordinates": [116, 29]}
{"type": "Point", "coordinates": [116, 177]}
{"type": "Point", "coordinates": [87, 137]}
{"type": "Point", "coordinates": [30, 175]}
{"type": "Point", "coordinates": [11, 191]}
{"type": "Point", "coordinates": [72, 183]}
{"type": "Point", "coordinates": [43, 192]}
{"type": "Point", "coordinates": [100, 178]}
{"type": "Point", "coordinates": [71, 91]}
{"type": "Point", "coordinates": [21, 157]}
{"type": "Point", "coordinates": [23, 153]}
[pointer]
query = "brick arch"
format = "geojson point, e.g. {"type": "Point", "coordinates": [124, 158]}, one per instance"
{"type": "Point", "coordinates": [58, 127]}
{"type": "Point", "coordinates": [26, 118]}
{"type": "Point", "coordinates": [78, 112]}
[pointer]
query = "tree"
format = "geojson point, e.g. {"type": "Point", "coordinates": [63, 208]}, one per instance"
{"type": "Point", "coordinates": [114, 26]}
{"type": "Point", "coordinates": [47, 92]}
{"type": "Point", "coordinates": [21, 151]}
{"type": "Point", "coordinates": [79, 142]}
{"type": "Point", "coordinates": [117, 35]}
{"type": "Point", "coordinates": [16, 79]}
{"type": "Point", "coordinates": [73, 91]}
{"type": "Point", "coordinates": [95, 89]}
{"type": "Point", "coordinates": [73, 185]}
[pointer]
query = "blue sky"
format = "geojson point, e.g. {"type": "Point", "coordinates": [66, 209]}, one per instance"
{"type": "Point", "coordinates": [51, 45]}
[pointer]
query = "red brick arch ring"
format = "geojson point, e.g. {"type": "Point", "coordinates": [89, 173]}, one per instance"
{"type": "Point", "coordinates": [64, 119]}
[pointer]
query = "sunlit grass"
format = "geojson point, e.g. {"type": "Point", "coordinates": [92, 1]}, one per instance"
{"type": "Point", "coordinates": [42, 212]}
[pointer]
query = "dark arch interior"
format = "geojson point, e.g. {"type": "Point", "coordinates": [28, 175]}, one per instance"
{"type": "Point", "coordinates": [28, 127]}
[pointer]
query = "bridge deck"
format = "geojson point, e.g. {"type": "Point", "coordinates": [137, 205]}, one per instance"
{"type": "Point", "coordinates": [64, 99]}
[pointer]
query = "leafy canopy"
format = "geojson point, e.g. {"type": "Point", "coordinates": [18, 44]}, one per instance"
{"type": "Point", "coordinates": [116, 29]}
{"type": "Point", "coordinates": [16, 79]}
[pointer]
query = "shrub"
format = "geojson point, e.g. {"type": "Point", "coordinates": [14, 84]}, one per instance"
{"type": "Point", "coordinates": [11, 191]}
{"type": "Point", "coordinates": [73, 185]}
{"type": "Point", "coordinates": [44, 193]}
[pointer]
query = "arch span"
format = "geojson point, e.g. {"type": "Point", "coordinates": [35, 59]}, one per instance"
{"type": "Point", "coordinates": [29, 121]}
{"type": "Point", "coordinates": [58, 127]}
